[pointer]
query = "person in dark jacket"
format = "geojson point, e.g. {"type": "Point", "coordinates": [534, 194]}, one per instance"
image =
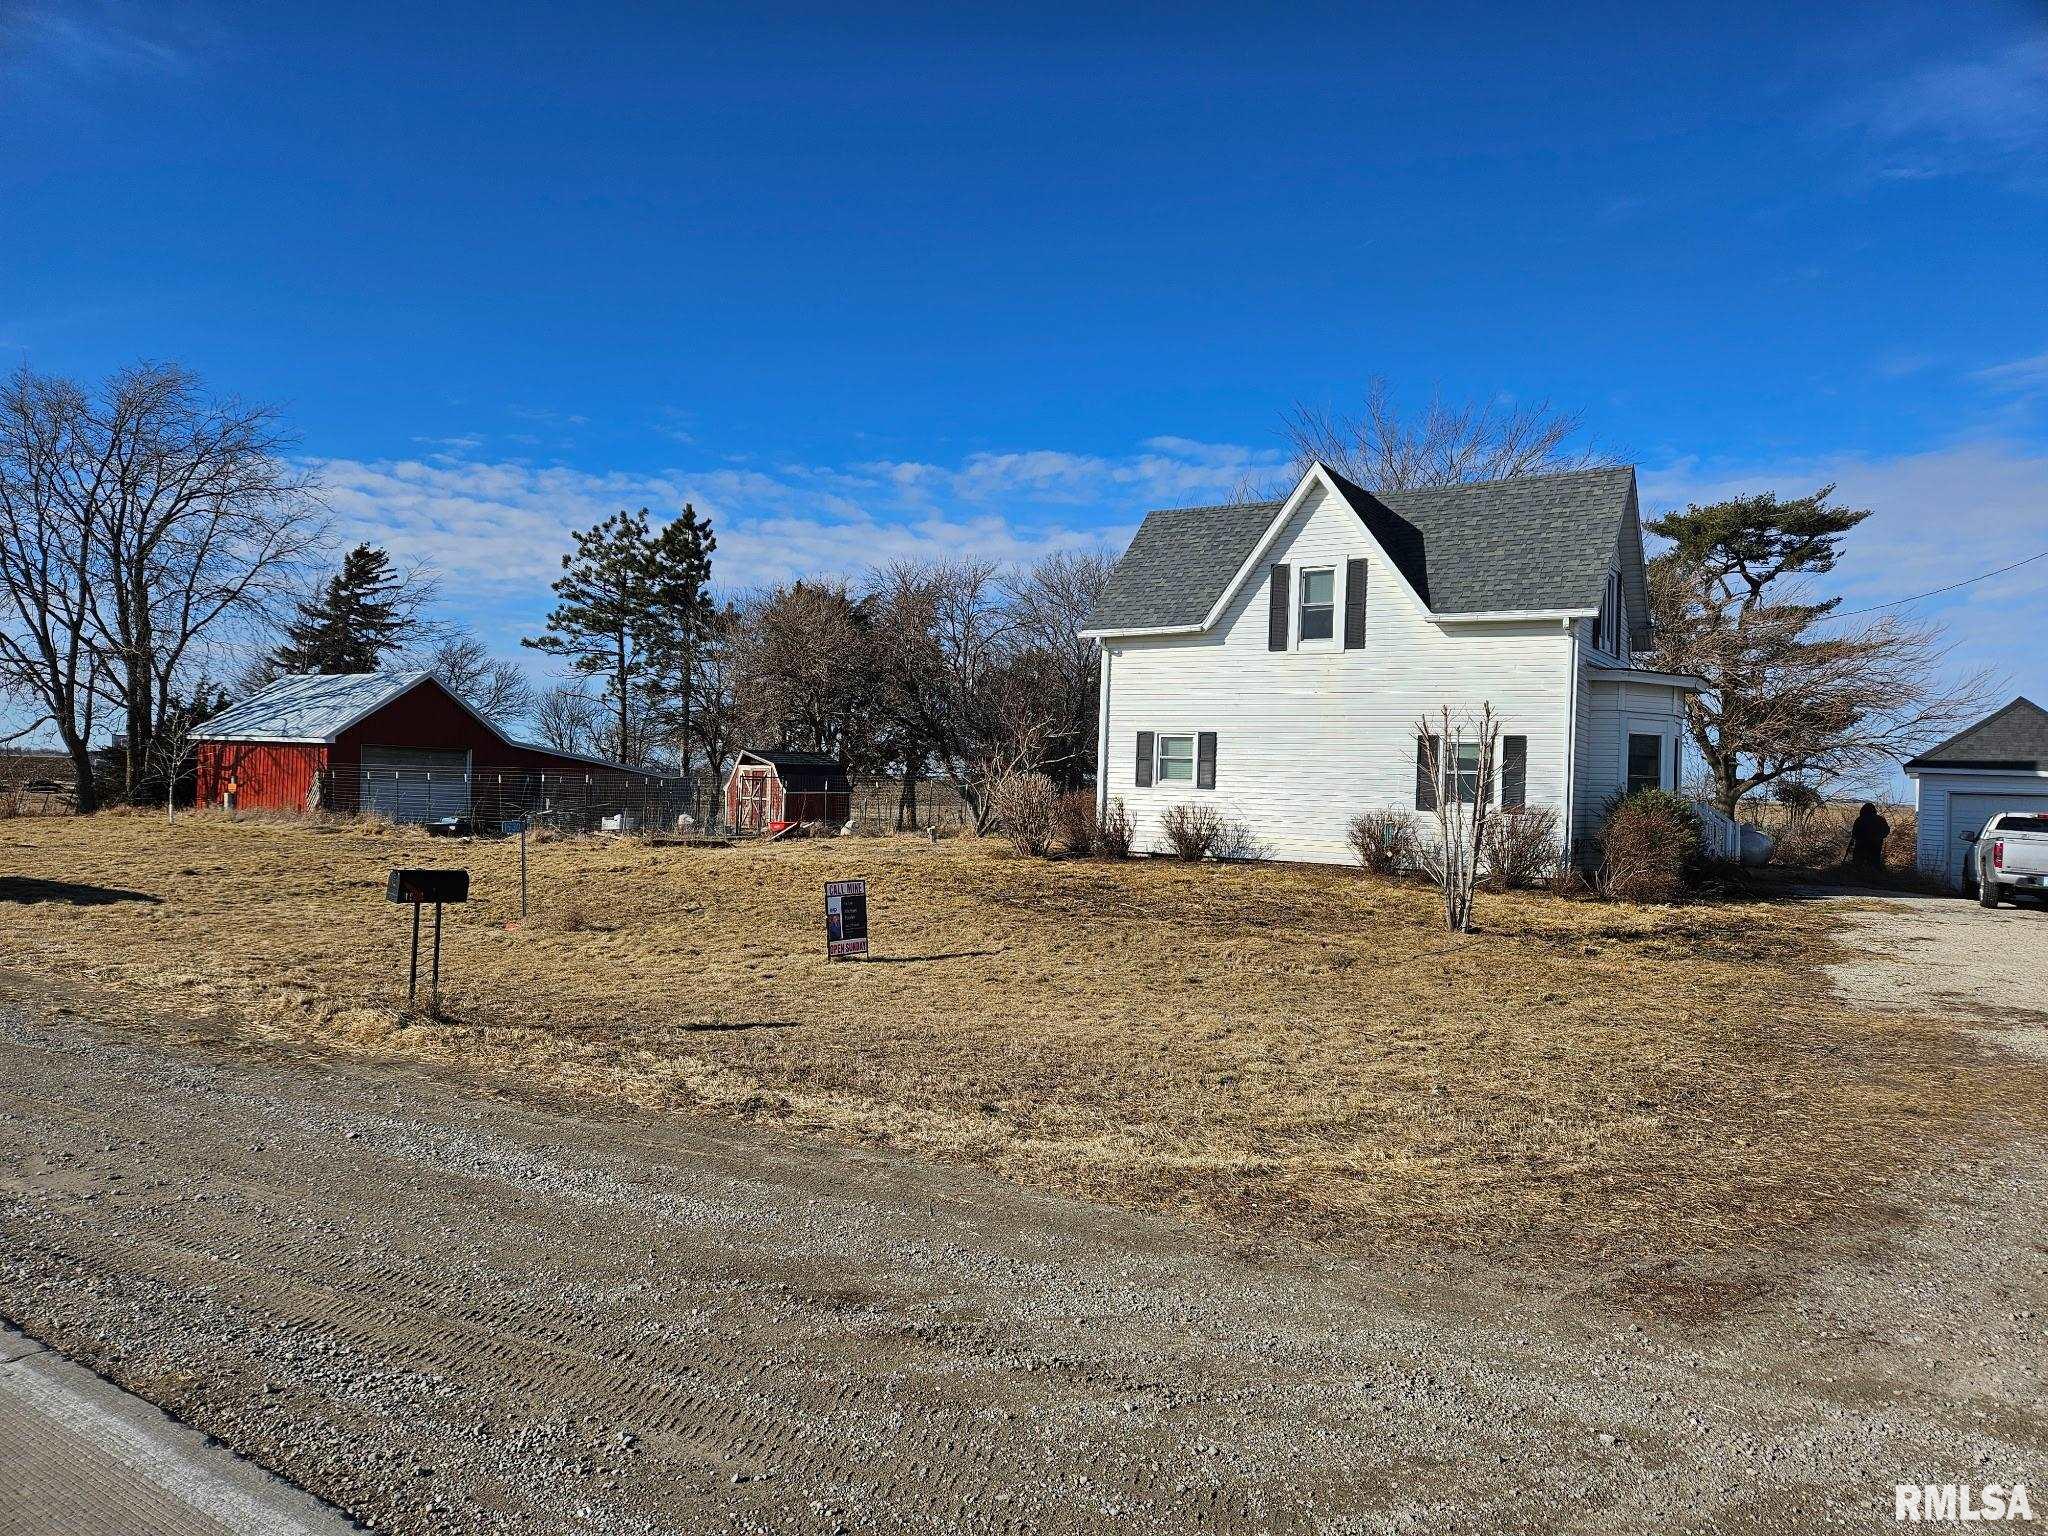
{"type": "Point", "coordinates": [1866, 838]}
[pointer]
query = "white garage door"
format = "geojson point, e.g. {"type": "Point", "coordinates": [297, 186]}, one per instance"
{"type": "Point", "coordinates": [408, 785]}
{"type": "Point", "coordinates": [1968, 813]}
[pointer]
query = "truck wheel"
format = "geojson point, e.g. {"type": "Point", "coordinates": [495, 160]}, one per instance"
{"type": "Point", "coordinates": [1987, 893]}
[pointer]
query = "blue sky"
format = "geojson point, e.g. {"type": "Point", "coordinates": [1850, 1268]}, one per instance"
{"type": "Point", "coordinates": [910, 280]}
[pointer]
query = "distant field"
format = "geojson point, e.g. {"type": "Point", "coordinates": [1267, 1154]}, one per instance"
{"type": "Point", "coordinates": [1276, 1049]}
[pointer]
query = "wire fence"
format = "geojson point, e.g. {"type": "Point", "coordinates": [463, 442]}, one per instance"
{"type": "Point", "coordinates": [492, 803]}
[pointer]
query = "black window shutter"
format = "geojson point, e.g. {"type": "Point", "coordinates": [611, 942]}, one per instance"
{"type": "Point", "coordinates": [1514, 771]}
{"type": "Point", "coordinates": [1354, 605]}
{"type": "Point", "coordinates": [1277, 615]}
{"type": "Point", "coordinates": [1144, 759]}
{"type": "Point", "coordinates": [1425, 781]}
{"type": "Point", "coordinates": [1205, 760]}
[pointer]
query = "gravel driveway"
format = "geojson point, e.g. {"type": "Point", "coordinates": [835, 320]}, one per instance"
{"type": "Point", "coordinates": [446, 1312]}
{"type": "Point", "coordinates": [1955, 957]}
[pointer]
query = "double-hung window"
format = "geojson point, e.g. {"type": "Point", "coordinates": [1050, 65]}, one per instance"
{"type": "Point", "coordinates": [1176, 759]}
{"type": "Point", "coordinates": [1464, 773]}
{"type": "Point", "coordinates": [1318, 604]}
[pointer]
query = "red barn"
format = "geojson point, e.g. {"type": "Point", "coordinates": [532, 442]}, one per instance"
{"type": "Point", "coordinates": [398, 744]}
{"type": "Point", "coordinates": [767, 791]}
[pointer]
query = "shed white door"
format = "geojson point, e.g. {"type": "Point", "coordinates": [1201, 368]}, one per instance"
{"type": "Point", "coordinates": [1968, 813]}
{"type": "Point", "coordinates": [405, 784]}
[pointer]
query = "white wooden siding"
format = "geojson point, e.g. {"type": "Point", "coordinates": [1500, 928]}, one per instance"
{"type": "Point", "coordinates": [1306, 739]}
{"type": "Point", "coordinates": [1934, 846]}
{"type": "Point", "coordinates": [1609, 709]}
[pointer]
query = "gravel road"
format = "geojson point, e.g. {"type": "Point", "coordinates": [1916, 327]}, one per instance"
{"type": "Point", "coordinates": [444, 1311]}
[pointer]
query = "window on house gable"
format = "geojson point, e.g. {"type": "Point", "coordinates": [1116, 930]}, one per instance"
{"type": "Point", "coordinates": [1176, 759]}
{"type": "Point", "coordinates": [1319, 604]}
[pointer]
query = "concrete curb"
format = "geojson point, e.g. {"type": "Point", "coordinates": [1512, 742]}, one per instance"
{"type": "Point", "coordinates": [91, 1457]}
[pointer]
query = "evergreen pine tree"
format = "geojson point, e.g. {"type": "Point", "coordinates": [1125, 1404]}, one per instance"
{"type": "Point", "coordinates": [352, 623]}
{"type": "Point", "coordinates": [634, 607]}
{"type": "Point", "coordinates": [601, 617]}
{"type": "Point", "coordinates": [682, 618]}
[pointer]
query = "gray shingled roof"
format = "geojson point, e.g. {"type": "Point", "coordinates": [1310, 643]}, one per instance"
{"type": "Point", "coordinates": [308, 706]}
{"type": "Point", "coordinates": [1179, 560]}
{"type": "Point", "coordinates": [1539, 542]}
{"type": "Point", "coordinates": [2013, 737]}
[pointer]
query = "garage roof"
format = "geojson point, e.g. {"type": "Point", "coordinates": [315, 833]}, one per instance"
{"type": "Point", "coordinates": [2015, 737]}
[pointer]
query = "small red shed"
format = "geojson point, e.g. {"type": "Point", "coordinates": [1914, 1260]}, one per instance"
{"type": "Point", "coordinates": [398, 744]}
{"type": "Point", "coordinates": [770, 791]}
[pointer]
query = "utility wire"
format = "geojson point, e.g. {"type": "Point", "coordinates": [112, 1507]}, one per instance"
{"type": "Point", "coordinates": [1951, 587]}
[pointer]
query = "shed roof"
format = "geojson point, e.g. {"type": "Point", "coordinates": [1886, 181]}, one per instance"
{"type": "Point", "coordinates": [780, 758]}
{"type": "Point", "coordinates": [1535, 543]}
{"type": "Point", "coordinates": [2014, 737]}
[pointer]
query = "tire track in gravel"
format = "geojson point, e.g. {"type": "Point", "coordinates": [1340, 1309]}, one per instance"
{"type": "Point", "coordinates": [449, 1313]}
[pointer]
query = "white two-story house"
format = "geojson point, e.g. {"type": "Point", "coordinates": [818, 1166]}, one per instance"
{"type": "Point", "coordinates": [1274, 659]}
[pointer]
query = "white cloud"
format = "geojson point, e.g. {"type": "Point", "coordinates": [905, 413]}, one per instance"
{"type": "Point", "coordinates": [1962, 115]}
{"type": "Point", "coordinates": [2022, 375]}
{"type": "Point", "coordinates": [1937, 517]}
{"type": "Point", "coordinates": [496, 531]}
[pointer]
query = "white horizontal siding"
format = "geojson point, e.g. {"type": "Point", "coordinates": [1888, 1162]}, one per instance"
{"type": "Point", "coordinates": [1609, 710]}
{"type": "Point", "coordinates": [1306, 739]}
{"type": "Point", "coordinates": [1934, 845]}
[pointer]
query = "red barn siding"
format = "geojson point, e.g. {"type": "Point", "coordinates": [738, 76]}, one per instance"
{"type": "Point", "coordinates": [427, 718]}
{"type": "Point", "coordinates": [268, 775]}
{"type": "Point", "coordinates": [280, 775]}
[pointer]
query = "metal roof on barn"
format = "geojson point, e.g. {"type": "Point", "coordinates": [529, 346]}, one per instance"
{"type": "Point", "coordinates": [316, 707]}
{"type": "Point", "coordinates": [309, 706]}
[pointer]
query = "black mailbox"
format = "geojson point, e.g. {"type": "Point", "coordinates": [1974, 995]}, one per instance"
{"type": "Point", "coordinates": [424, 885]}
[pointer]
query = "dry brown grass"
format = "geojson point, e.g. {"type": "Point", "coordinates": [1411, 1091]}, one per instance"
{"type": "Point", "coordinates": [1278, 1049]}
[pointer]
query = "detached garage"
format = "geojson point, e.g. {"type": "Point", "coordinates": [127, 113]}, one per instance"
{"type": "Point", "coordinates": [1998, 764]}
{"type": "Point", "coordinates": [395, 744]}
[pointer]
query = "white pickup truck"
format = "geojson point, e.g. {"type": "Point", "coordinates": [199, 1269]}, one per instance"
{"type": "Point", "coordinates": [2011, 857]}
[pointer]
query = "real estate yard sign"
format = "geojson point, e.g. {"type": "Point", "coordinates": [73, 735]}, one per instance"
{"type": "Point", "coordinates": [846, 918]}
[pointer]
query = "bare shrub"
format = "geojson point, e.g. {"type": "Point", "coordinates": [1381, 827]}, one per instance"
{"type": "Point", "coordinates": [1521, 848]}
{"type": "Point", "coordinates": [1076, 820]}
{"type": "Point", "coordinates": [1383, 841]}
{"type": "Point", "coordinates": [1650, 847]}
{"type": "Point", "coordinates": [1191, 830]}
{"type": "Point", "coordinates": [1235, 839]}
{"type": "Point", "coordinates": [1026, 807]}
{"type": "Point", "coordinates": [1812, 837]}
{"type": "Point", "coordinates": [1113, 836]}
{"type": "Point", "coordinates": [1902, 843]}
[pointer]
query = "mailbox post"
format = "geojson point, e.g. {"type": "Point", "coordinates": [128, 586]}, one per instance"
{"type": "Point", "coordinates": [417, 887]}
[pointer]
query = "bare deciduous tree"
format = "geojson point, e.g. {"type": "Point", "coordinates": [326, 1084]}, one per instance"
{"type": "Point", "coordinates": [1448, 443]}
{"type": "Point", "coordinates": [569, 720]}
{"type": "Point", "coordinates": [1458, 758]}
{"type": "Point", "coordinates": [47, 656]}
{"type": "Point", "coordinates": [495, 688]}
{"type": "Point", "coordinates": [198, 522]}
{"type": "Point", "coordinates": [139, 525]}
{"type": "Point", "coordinates": [1049, 603]}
